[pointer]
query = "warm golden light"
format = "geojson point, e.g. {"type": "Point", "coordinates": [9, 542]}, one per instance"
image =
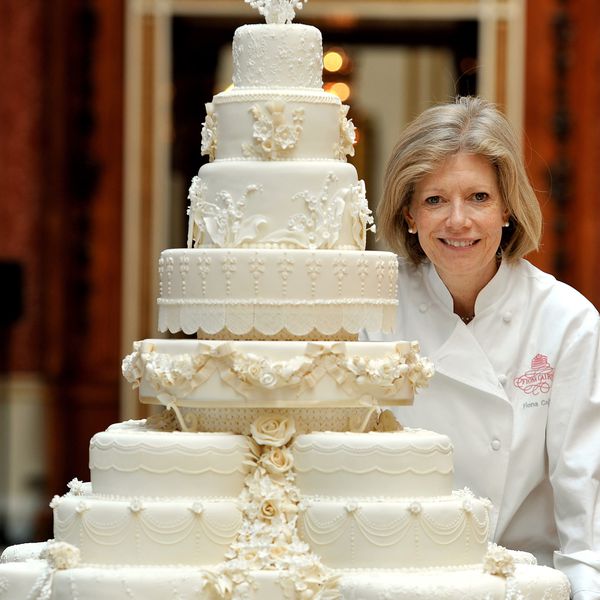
{"type": "Point", "coordinates": [333, 61]}
{"type": "Point", "coordinates": [340, 89]}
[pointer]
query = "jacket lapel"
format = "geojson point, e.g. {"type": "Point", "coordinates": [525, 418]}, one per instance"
{"type": "Point", "coordinates": [461, 358]}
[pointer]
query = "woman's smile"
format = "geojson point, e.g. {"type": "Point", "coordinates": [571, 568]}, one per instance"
{"type": "Point", "coordinates": [458, 213]}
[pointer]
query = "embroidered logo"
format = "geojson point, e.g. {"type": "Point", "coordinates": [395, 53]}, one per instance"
{"type": "Point", "coordinates": [538, 379]}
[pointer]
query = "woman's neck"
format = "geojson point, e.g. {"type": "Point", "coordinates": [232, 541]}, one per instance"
{"type": "Point", "coordinates": [464, 290]}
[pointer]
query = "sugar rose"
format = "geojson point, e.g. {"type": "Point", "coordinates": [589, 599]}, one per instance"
{"type": "Point", "coordinates": [273, 430]}
{"type": "Point", "coordinates": [268, 509]}
{"type": "Point", "coordinates": [277, 461]}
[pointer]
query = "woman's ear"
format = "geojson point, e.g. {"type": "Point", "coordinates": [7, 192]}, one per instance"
{"type": "Point", "coordinates": [412, 228]}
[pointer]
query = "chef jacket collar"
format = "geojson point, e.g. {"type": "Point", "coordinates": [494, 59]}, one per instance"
{"type": "Point", "coordinates": [489, 295]}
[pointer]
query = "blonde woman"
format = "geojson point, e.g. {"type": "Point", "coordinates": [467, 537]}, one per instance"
{"type": "Point", "coordinates": [516, 352]}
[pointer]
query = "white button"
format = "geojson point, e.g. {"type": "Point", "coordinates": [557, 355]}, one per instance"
{"type": "Point", "coordinates": [423, 307]}
{"type": "Point", "coordinates": [507, 316]}
{"type": "Point", "coordinates": [502, 379]}
{"type": "Point", "coordinates": [496, 445]}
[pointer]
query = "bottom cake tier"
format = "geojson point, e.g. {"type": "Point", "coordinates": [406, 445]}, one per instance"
{"type": "Point", "coordinates": [34, 577]}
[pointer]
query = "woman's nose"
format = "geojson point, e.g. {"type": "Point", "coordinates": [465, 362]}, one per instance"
{"type": "Point", "coordinates": [458, 215]}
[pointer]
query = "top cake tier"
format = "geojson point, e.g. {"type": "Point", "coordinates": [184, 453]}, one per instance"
{"type": "Point", "coordinates": [277, 56]}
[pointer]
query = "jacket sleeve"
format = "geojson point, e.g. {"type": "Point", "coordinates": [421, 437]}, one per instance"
{"type": "Point", "coordinates": [573, 444]}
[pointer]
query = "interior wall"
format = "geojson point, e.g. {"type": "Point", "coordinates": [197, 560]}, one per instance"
{"type": "Point", "coordinates": [62, 205]}
{"type": "Point", "coordinates": [22, 383]}
{"type": "Point", "coordinates": [562, 142]}
{"type": "Point", "coordinates": [61, 111]}
{"type": "Point", "coordinates": [392, 86]}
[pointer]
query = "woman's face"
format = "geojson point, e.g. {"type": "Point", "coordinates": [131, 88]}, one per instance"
{"type": "Point", "coordinates": [458, 214]}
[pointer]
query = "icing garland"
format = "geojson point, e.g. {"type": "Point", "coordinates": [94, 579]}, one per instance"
{"type": "Point", "coordinates": [175, 376]}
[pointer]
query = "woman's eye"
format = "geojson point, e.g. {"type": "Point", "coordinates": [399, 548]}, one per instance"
{"type": "Point", "coordinates": [480, 196]}
{"type": "Point", "coordinates": [433, 200]}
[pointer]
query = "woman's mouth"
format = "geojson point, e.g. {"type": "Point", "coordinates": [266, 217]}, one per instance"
{"type": "Point", "coordinates": [458, 243]}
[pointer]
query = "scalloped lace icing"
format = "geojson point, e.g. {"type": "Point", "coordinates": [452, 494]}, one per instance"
{"type": "Point", "coordinates": [269, 319]}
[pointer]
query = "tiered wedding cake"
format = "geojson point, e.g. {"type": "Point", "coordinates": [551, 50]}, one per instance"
{"type": "Point", "coordinates": [272, 472]}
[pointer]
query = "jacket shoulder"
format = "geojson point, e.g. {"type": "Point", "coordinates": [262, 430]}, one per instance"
{"type": "Point", "coordinates": [554, 295]}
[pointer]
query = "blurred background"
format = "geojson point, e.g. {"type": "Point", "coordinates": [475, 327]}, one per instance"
{"type": "Point", "coordinates": [101, 109]}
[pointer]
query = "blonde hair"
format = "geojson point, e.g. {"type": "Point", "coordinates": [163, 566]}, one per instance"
{"type": "Point", "coordinates": [468, 125]}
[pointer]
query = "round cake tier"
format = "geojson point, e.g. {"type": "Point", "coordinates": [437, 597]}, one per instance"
{"type": "Point", "coordinates": [529, 582]}
{"type": "Point", "coordinates": [300, 292]}
{"type": "Point", "coordinates": [204, 374]}
{"type": "Point", "coordinates": [279, 125]}
{"type": "Point", "coordinates": [398, 464]}
{"type": "Point", "coordinates": [391, 534]}
{"type": "Point", "coordinates": [135, 531]}
{"type": "Point", "coordinates": [130, 460]}
{"type": "Point", "coordinates": [277, 56]}
{"type": "Point", "coordinates": [289, 204]}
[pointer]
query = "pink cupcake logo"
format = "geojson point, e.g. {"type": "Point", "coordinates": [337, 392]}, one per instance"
{"type": "Point", "coordinates": [538, 380]}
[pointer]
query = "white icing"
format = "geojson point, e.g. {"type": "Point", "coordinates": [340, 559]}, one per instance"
{"type": "Point", "coordinates": [387, 465]}
{"type": "Point", "coordinates": [394, 534]}
{"type": "Point", "coordinates": [260, 204]}
{"type": "Point", "coordinates": [133, 461]}
{"type": "Point", "coordinates": [159, 582]}
{"type": "Point", "coordinates": [136, 531]}
{"type": "Point", "coordinates": [277, 56]}
{"type": "Point", "coordinates": [278, 125]}
{"type": "Point", "coordinates": [208, 290]}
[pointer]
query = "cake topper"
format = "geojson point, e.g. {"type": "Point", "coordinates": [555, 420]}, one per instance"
{"type": "Point", "coordinates": [277, 11]}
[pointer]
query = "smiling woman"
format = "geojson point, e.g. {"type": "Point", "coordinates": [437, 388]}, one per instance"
{"type": "Point", "coordinates": [515, 351]}
{"type": "Point", "coordinates": [458, 213]}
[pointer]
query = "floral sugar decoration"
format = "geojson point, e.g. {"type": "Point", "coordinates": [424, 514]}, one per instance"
{"type": "Point", "coordinates": [222, 221]}
{"type": "Point", "coordinates": [345, 147]}
{"type": "Point", "coordinates": [275, 135]}
{"type": "Point", "coordinates": [76, 487]}
{"type": "Point", "coordinates": [268, 538]}
{"type": "Point", "coordinates": [320, 223]}
{"type": "Point", "coordinates": [277, 11]}
{"type": "Point", "coordinates": [390, 371]}
{"type": "Point", "coordinates": [498, 561]}
{"type": "Point", "coordinates": [362, 216]}
{"type": "Point", "coordinates": [61, 555]}
{"type": "Point", "coordinates": [209, 133]}
{"type": "Point", "coordinates": [273, 430]}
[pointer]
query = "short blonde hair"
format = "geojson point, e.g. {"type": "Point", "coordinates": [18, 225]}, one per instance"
{"type": "Point", "coordinates": [470, 125]}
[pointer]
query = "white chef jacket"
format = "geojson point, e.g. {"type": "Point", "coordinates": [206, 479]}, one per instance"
{"type": "Point", "coordinates": [517, 390]}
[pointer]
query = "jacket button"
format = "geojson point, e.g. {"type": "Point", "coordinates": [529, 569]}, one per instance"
{"type": "Point", "coordinates": [496, 445]}
{"type": "Point", "coordinates": [423, 307]}
{"type": "Point", "coordinates": [507, 316]}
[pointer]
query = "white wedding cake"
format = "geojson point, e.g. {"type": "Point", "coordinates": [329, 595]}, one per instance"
{"type": "Point", "coordinates": [273, 471]}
